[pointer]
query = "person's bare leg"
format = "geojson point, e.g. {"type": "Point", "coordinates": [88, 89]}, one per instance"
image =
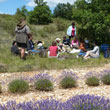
{"type": "Point", "coordinates": [87, 54]}
{"type": "Point", "coordinates": [22, 53]}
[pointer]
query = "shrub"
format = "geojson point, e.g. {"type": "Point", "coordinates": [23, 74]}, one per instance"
{"type": "Point", "coordinates": [18, 86]}
{"type": "Point", "coordinates": [79, 102]}
{"type": "Point", "coordinates": [43, 34]}
{"type": "Point", "coordinates": [44, 85]}
{"type": "Point", "coordinates": [105, 76]}
{"type": "Point", "coordinates": [61, 24]}
{"type": "Point", "coordinates": [67, 79]}
{"type": "Point", "coordinates": [106, 79]}
{"type": "Point", "coordinates": [92, 81]}
{"type": "Point", "coordinates": [50, 29]}
{"type": "Point", "coordinates": [68, 82]}
{"type": "Point", "coordinates": [87, 102]}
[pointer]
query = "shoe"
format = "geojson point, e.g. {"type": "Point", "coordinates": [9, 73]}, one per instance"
{"type": "Point", "coordinates": [23, 58]}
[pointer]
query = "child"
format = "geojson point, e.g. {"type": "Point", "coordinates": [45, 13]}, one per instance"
{"type": "Point", "coordinates": [93, 53]}
{"type": "Point", "coordinates": [66, 41]}
{"type": "Point", "coordinates": [75, 43]}
{"type": "Point", "coordinates": [82, 48]}
{"type": "Point", "coordinates": [53, 50]}
{"type": "Point", "coordinates": [31, 43]}
{"type": "Point", "coordinates": [14, 48]}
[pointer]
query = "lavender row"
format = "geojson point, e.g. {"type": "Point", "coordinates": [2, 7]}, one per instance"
{"type": "Point", "coordinates": [80, 102]}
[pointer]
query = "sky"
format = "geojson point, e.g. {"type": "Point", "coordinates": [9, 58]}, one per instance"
{"type": "Point", "coordinates": [10, 6]}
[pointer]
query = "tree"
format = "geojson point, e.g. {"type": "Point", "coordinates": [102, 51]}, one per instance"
{"type": "Point", "coordinates": [93, 19]}
{"type": "Point", "coordinates": [21, 13]}
{"type": "Point", "coordinates": [63, 10]}
{"type": "Point", "coordinates": [40, 2]}
{"type": "Point", "coordinates": [41, 13]}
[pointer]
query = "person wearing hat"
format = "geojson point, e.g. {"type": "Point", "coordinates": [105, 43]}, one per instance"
{"type": "Point", "coordinates": [22, 32]}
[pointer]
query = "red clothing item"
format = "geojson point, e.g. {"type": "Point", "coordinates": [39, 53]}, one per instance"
{"type": "Point", "coordinates": [53, 50]}
{"type": "Point", "coordinates": [73, 31]}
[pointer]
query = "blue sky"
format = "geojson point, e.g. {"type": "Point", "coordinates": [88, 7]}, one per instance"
{"type": "Point", "coordinates": [10, 6]}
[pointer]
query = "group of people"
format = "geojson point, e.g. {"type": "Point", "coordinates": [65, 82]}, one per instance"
{"type": "Point", "coordinates": [69, 44]}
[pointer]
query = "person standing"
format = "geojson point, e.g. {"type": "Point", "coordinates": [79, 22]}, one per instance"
{"type": "Point", "coordinates": [22, 32]}
{"type": "Point", "coordinates": [71, 31]}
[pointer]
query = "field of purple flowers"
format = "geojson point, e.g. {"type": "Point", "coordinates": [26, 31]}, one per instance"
{"type": "Point", "coordinates": [80, 102]}
{"type": "Point", "coordinates": [75, 101]}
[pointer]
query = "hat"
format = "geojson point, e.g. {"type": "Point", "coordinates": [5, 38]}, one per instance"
{"type": "Point", "coordinates": [87, 41]}
{"type": "Point", "coordinates": [58, 39]}
{"type": "Point", "coordinates": [39, 45]}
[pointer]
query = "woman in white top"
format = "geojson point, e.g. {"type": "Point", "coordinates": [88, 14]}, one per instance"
{"type": "Point", "coordinates": [93, 53]}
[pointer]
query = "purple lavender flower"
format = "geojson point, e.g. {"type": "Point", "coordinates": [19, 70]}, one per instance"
{"type": "Point", "coordinates": [105, 72]}
{"type": "Point", "coordinates": [40, 76]}
{"type": "Point", "coordinates": [79, 102]}
{"type": "Point", "coordinates": [87, 102]}
{"type": "Point", "coordinates": [92, 74]}
{"type": "Point", "coordinates": [68, 74]}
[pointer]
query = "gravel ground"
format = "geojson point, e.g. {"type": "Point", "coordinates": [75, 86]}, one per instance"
{"type": "Point", "coordinates": [57, 93]}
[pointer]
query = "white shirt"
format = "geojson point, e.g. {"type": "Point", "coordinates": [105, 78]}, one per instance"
{"type": "Point", "coordinates": [95, 50]}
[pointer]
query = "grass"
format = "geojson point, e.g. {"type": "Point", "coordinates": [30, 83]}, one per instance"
{"type": "Point", "coordinates": [33, 63]}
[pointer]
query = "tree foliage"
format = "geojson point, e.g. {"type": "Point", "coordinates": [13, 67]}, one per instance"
{"type": "Point", "coordinates": [21, 13]}
{"type": "Point", "coordinates": [41, 13]}
{"type": "Point", "coordinates": [40, 2]}
{"type": "Point", "coordinates": [63, 10]}
{"type": "Point", "coordinates": [93, 17]}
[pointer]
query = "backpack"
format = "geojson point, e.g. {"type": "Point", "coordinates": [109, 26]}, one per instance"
{"type": "Point", "coordinates": [107, 53]}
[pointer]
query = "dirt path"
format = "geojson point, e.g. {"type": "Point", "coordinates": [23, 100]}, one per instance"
{"type": "Point", "coordinates": [57, 93]}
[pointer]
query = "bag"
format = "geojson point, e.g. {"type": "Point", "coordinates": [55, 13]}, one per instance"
{"type": "Point", "coordinates": [107, 53]}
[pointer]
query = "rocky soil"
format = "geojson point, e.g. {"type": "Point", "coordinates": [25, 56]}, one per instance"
{"type": "Point", "coordinates": [57, 93]}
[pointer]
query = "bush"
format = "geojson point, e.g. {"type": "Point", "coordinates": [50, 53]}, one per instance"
{"type": "Point", "coordinates": [106, 79]}
{"type": "Point", "coordinates": [44, 85]}
{"type": "Point", "coordinates": [87, 102]}
{"type": "Point", "coordinates": [18, 86]}
{"type": "Point", "coordinates": [92, 81]}
{"type": "Point", "coordinates": [43, 34]}
{"type": "Point", "coordinates": [61, 24]}
{"type": "Point", "coordinates": [50, 29]}
{"type": "Point", "coordinates": [68, 82]}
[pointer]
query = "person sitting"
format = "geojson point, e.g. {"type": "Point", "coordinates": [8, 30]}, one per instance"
{"type": "Point", "coordinates": [93, 53]}
{"type": "Point", "coordinates": [87, 46]}
{"type": "Point", "coordinates": [31, 43]}
{"type": "Point", "coordinates": [14, 48]}
{"type": "Point", "coordinates": [66, 41]}
{"type": "Point", "coordinates": [53, 50]}
{"type": "Point", "coordinates": [75, 43]}
{"type": "Point", "coordinates": [82, 48]}
{"type": "Point", "coordinates": [75, 46]}
{"type": "Point", "coordinates": [40, 45]}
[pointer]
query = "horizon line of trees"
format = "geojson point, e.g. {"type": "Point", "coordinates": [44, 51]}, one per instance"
{"type": "Point", "coordinates": [92, 17]}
